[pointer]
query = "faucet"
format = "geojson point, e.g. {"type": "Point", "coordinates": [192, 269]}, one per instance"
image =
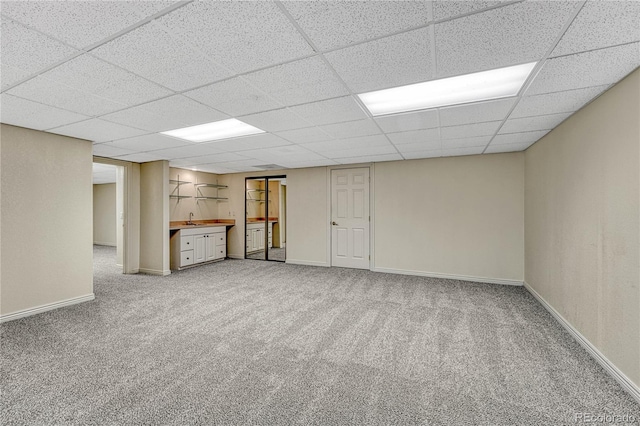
{"type": "Point", "coordinates": [190, 222]}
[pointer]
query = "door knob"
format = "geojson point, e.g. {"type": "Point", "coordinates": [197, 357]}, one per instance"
{"type": "Point", "coordinates": [333, 223]}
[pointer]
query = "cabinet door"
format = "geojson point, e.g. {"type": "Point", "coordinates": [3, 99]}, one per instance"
{"type": "Point", "coordinates": [200, 249]}
{"type": "Point", "coordinates": [260, 236]}
{"type": "Point", "coordinates": [249, 241]}
{"type": "Point", "coordinates": [210, 242]}
{"type": "Point", "coordinates": [255, 239]}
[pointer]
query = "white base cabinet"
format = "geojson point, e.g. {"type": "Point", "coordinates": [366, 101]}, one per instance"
{"type": "Point", "coordinates": [193, 246]}
{"type": "Point", "coordinates": [255, 237]}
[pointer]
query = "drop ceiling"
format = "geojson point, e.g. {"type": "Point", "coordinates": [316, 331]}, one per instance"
{"type": "Point", "coordinates": [118, 73]}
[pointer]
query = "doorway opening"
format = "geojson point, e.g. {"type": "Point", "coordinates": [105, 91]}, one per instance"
{"type": "Point", "coordinates": [265, 218]}
{"type": "Point", "coordinates": [108, 216]}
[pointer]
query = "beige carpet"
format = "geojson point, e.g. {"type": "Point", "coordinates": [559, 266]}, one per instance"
{"type": "Point", "coordinates": [246, 342]}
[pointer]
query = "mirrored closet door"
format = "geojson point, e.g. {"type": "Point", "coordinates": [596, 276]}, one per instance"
{"type": "Point", "coordinates": [265, 218]}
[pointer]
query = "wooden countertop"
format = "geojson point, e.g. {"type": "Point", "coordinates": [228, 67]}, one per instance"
{"type": "Point", "coordinates": [182, 224]}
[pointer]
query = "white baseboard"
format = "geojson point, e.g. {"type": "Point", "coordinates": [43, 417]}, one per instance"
{"type": "Point", "coordinates": [235, 256]}
{"type": "Point", "coordinates": [44, 308]}
{"type": "Point", "coordinates": [154, 271]}
{"type": "Point", "coordinates": [449, 276]}
{"type": "Point", "coordinates": [98, 243]}
{"type": "Point", "coordinates": [609, 367]}
{"type": "Point", "coordinates": [307, 262]}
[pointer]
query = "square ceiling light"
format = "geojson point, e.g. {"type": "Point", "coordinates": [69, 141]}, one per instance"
{"type": "Point", "coordinates": [225, 129]}
{"type": "Point", "coordinates": [480, 86]}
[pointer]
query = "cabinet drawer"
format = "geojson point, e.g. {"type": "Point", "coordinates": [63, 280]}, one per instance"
{"type": "Point", "coordinates": [186, 257]}
{"type": "Point", "coordinates": [221, 239]}
{"type": "Point", "coordinates": [221, 252]}
{"type": "Point", "coordinates": [186, 243]}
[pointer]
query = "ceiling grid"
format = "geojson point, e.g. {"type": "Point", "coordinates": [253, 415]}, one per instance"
{"type": "Point", "coordinates": [119, 73]}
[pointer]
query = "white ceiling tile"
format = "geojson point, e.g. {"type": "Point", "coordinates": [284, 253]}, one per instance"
{"type": "Point", "coordinates": [350, 143]}
{"type": "Point", "coordinates": [234, 97]}
{"type": "Point", "coordinates": [594, 68]}
{"type": "Point", "coordinates": [330, 111]}
{"type": "Point", "coordinates": [99, 78]}
{"type": "Point", "coordinates": [97, 130]}
{"type": "Point", "coordinates": [454, 152]}
{"type": "Point", "coordinates": [601, 24]}
{"type": "Point", "coordinates": [151, 52]}
{"type": "Point", "coordinates": [509, 35]}
{"type": "Point", "coordinates": [305, 164]}
{"type": "Point", "coordinates": [263, 140]}
{"type": "Point", "coordinates": [332, 24]}
{"type": "Point", "coordinates": [214, 158]}
{"type": "Point", "coordinates": [416, 155]}
{"type": "Point", "coordinates": [369, 159]}
{"type": "Point", "coordinates": [551, 103]}
{"type": "Point", "coordinates": [149, 143]}
{"type": "Point", "coordinates": [140, 157]}
{"type": "Point", "coordinates": [166, 114]}
{"type": "Point", "coordinates": [529, 124]}
{"type": "Point", "coordinates": [215, 168]}
{"type": "Point", "coordinates": [183, 162]}
{"type": "Point", "coordinates": [469, 130]}
{"type": "Point", "coordinates": [425, 136]}
{"type": "Point", "coordinates": [246, 35]}
{"type": "Point", "coordinates": [78, 23]}
{"type": "Point", "coordinates": [25, 52]}
{"type": "Point", "coordinates": [476, 113]}
{"type": "Point", "coordinates": [388, 62]}
{"type": "Point", "coordinates": [305, 135]}
{"type": "Point", "coordinates": [25, 113]}
{"type": "Point", "coordinates": [511, 147]}
{"type": "Point", "coordinates": [11, 75]}
{"type": "Point", "coordinates": [518, 138]}
{"type": "Point", "coordinates": [182, 152]}
{"type": "Point", "coordinates": [362, 152]}
{"type": "Point", "coordinates": [479, 141]}
{"type": "Point", "coordinates": [104, 150]}
{"type": "Point", "coordinates": [444, 9]}
{"type": "Point", "coordinates": [426, 145]}
{"type": "Point", "coordinates": [409, 121]}
{"type": "Point", "coordinates": [304, 81]}
{"type": "Point", "coordinates": [276, 120]}
{"type": "Point", "coordinates": [151, 7]}
{"type": "Point", "coordinates": [291, 152]}
{"type": "Point", "coordinates": [352, 129]}
{"type": "Point", "coordinates": [52, 93]}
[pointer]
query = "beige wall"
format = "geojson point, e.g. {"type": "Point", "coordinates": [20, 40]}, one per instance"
{"type": "Point", "coordinates": [104, 214]}
{"type": "Point", "coordinates": [460, 217]}
{"type": "Point", "coordinates": [154, 218]}
{"type": "Point", "coordinates": [179, 209]}
{"type": "Point", "coordinates": [306, 213]}
{"type": "Point", "coordinates": [46, 220]}
{"type": "Point", "coordinates": [582, 222]}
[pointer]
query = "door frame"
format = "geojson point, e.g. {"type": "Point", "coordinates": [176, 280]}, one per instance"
{"type": "Point", "coordinates": [266, 213]}
{"type": "Point", "coordinates": [131, 211]}
{"type": "Point", "coordinates": [372, 212]}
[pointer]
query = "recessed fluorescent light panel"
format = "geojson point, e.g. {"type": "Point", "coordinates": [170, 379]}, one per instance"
{"type": "Point", "coordinates": [217, 130]}
{"type": "Point", "coordinates": [480, 86]}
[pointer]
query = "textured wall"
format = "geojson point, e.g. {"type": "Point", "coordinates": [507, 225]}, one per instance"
{"type": "Point", "coordinates": [460, 216]}
{"type": "Point", "coordinates": [582, 222]}
{"type": "Point", "coordinates": [104, 214]}
{"type": "Point", "coordinates": [46, 219]}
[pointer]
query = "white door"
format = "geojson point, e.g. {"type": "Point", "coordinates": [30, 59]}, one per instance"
{"type": "Point", "coordinates": [350, 218]}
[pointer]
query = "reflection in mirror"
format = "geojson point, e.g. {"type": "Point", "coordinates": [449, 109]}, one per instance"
{"type": "Point", "coordinates": [265, 235]}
